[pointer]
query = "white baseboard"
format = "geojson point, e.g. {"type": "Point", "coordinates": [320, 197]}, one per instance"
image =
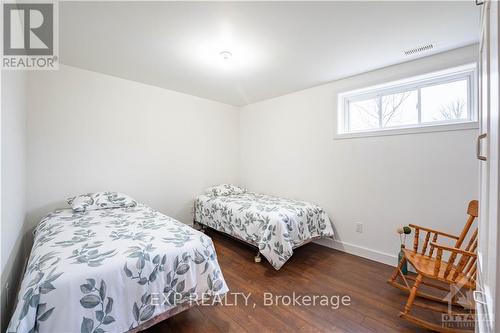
{"type": "Point", "coordinates": [360, 251]}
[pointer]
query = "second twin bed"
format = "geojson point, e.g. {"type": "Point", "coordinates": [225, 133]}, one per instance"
{"type": "Point", "coordinates": [275, 225]}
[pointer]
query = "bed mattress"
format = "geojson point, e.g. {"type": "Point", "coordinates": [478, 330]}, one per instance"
{"type": "Point", "coordinates": [112, 270]}
{"type": "Point", "coordinates": [276, 225]}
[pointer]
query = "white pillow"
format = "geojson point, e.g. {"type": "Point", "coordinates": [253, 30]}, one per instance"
{"type": "Point", "coordinates": [100, 200]}
{"type": "Point", "coordinates": [224, 189]}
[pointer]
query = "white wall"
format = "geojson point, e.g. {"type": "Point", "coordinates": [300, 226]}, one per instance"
{"type": "Point", "coordinates": [88, 132]}
{"type": "Point", "coordinates": [13, 201]}
{"type": "Point", "coordinates": [92, 132]}
{"type": "Point", "coordinates": [287, 148]}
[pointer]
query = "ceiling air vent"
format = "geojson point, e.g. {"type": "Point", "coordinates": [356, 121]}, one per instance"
{"type": "Point", "coordinates": [418, 49]}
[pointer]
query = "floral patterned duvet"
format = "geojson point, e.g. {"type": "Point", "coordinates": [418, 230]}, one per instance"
{"type": "Point", "coordinates": [274, 224]}
{"type": "Point", "coordinates": [99, 271]}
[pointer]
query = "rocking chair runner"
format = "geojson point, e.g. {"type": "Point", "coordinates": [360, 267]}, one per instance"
{"type": "Point", "coordinates": [459, 271]}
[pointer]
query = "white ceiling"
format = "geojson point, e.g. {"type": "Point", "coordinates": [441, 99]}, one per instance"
{"type": "Point", "coordinates": [278, 47]}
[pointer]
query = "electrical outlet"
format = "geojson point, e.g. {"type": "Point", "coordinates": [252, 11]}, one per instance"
{"type": "Point", "coordinates": [359, 228]}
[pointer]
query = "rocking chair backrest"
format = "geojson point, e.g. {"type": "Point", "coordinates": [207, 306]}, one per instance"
{"type": "Point", "coordinates": [466, 264]}
{"type": "Point", "coordinates": [472, 211]}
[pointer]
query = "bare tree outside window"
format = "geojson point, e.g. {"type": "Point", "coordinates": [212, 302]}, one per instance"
{"type": "Point", "coordinates": [365, 115]}
{"type": "Point", "coordinates": [454, 110]}
{"type": "Point", "coordinates": [436, 99]}
{"type": "Point", "coordinates": [393, 107]}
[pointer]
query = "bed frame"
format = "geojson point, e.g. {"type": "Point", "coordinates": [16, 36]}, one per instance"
{"type": "Point", "coordinates": [202, 227]}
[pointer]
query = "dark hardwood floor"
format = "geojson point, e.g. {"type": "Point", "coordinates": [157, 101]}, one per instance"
{"type": "Point", "coordinates": [313, 270]}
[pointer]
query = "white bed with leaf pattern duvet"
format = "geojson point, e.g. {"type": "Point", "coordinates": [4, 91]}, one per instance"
{"type": "Point", "coordinates": [111, 265]}
{"type": "Point", "coordinates": [275, 225]}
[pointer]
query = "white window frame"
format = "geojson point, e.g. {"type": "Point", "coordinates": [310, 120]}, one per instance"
{"type": "Point", "coordinates": [467, 72]}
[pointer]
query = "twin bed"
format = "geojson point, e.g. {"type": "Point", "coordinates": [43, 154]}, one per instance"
{"type": "Point", "coordinates": [112, 265]}
{"type": "Point", "coordinates": [113, 270]}
{"type": "Point", "coordinates": [275, 225]}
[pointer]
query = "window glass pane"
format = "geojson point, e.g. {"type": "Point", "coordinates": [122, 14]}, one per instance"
{"type": "Point", "coordinates": [363, 115]}
{"type": "Point", "coordinates": [445, 102]}
{"type": "Point", "coordinates": [400, 109]}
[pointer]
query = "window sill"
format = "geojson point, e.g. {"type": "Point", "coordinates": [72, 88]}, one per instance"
{"type": "Point", "coordinates": [410, 130]}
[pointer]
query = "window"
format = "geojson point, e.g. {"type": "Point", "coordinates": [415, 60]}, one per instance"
{"type": "Point", "coordinates": [433, 102]}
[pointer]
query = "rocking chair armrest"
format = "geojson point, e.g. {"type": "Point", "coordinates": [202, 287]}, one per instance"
{"type": "Point", "coordinates": [433, 231]}
{"type": "Point", "coordinates": [453, 249]}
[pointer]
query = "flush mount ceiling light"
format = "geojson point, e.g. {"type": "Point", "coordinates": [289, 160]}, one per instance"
{"type": "Point", "coordinates": [225, 55]}
{"type": "Point", "coordinates": [222, 50]}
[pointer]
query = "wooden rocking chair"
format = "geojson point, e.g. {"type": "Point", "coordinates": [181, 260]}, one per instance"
{"type": "Point", "coordinates": [459, 272]}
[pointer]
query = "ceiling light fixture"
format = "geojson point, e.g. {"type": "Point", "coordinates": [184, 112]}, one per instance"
{"type": "Point", "coordinates": [226, 55]}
